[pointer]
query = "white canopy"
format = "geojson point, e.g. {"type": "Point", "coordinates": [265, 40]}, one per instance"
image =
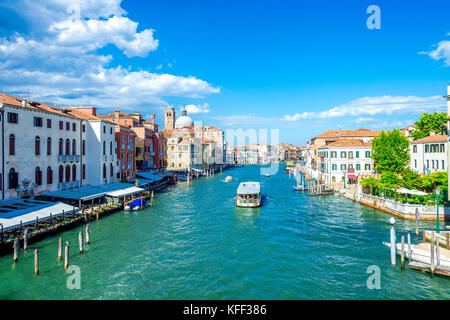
{"type": "Point", "coordinates": [42, 214]}
{"type": "Point", "coordinates": [413, 192]}
{"type": "Point", "coordinates": [124, 192]}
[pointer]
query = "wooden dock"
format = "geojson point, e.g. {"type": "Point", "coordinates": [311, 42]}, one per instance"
{"type": "Point", "coordinates": [441, 270]}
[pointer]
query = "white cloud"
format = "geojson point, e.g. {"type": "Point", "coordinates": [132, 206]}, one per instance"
{"type": "Point", "coordinates": [375, 106]}
{"type": "Point", "coordinates": [200, 108]}
{"type": "Point", "coordinates": [59, 62]}
{"type": "Point", "coordinates": [442, 51]}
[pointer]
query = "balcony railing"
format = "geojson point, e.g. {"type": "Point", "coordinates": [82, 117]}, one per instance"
{"type": "Point", "coordinates": [69, 184]}
{"type": "Point", "coordinates": [105, 157]}
{"type": "Point", "coordinates": [68, 158]}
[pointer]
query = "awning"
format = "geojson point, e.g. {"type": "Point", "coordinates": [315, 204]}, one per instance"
{"type": "Point", "coordinates": [12, 219]}
{"type": "Point", "coordinates": [124, 192]}
{"type": "Point", "coordinates": [141, 182]}
{"type": "Point", "coordinates": [352, 177]}
{"type": "Point", "coordinates": [150, 176]}
{"type": "Point", "coordinates": [87, 192]}
{"type": "Point", "coordinates": [413, 192]}
{"type": "Point", "coordinates": [197, 169]}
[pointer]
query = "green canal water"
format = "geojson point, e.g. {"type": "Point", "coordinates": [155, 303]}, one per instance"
{"type": "Point", "coordinates": [195, 244]}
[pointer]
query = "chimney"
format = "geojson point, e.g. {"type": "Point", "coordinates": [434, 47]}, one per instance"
{"type": "Point", "coordinates": [153, 118]}
{"type": "Point", "coordinates": [117, 113]}
{"type": "Point", "coordinates": [24, 103]}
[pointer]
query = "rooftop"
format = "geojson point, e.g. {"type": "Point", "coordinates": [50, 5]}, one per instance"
{"type": "Point", "coordinates": [348, 143]}
{"type": "Point", "coordinates": [433, 138]}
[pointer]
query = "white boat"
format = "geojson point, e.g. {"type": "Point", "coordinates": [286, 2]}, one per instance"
{"type": "Point", "coordinates": [422, 253]}
{"type": "Point", "coordinates": [248, 195]}
{"type": "Point", "coordinates": [127, 207]}
{"type": "Point", "coordinates": [228, 179]}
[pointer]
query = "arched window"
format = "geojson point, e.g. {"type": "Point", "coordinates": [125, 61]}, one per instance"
{"type": "Point", "coordinates": [12, 145]}
{"type": "Point", "coordinates": [67, 173]}
{"type": "Point", "coordinates": [67, 147]}
{"type": "Point", "coordinates": [104, 171]}
{"type": "Point", "coordinates": [61, 174]}
{"type": "Point", "coordinates": [111, 170]}
{"type": "Point", "coordinates": [61, 142]}
{"type": "Point", "coordinates": [37, 146]}
{"type": "Point", "coordinates": [74, 147]}
{"type": "Point", "coordinates": [84, 148]}
{"type": "Point", "coordinates": [104, 147]}
{"type": "Point", "coordinates": [13, 179]}
{"type": "Point", "coordinates": [74, 172]}
{"type": "Point", "coordinates": [110, 147]}
{"type": "Point", "coordinates": [49, 175]}
{"type": "Point", "coordinates": [38, 176]}
{"type": "Point", "coordinates": [84, 171]}
{"type": "Point", "coordinates": [49, 146]}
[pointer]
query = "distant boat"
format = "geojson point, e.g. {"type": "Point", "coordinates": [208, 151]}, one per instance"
{"type": "Point", "coordinates": [249, 195]}
{"type": "Point", "coordinates": [228, 179]}
{"type": "Point", "coordinates": [136, 204]}
{"type": "Point", "coordinates": [267, 175]}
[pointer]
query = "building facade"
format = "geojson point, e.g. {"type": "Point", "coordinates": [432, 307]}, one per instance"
{"type": "Point", "coordinates": [429, 154]}
{"type": "Point", "coordinates": [41, 148]}
{"type": "Point", "coordinates": [344, 160]}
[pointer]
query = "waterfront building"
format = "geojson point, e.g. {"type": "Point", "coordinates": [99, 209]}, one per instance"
{"type": "Point", "coordinates": [328, 137]}
{"type": "Point", "coordinates": [189, 145]}
{"type": "Point", "coordinates": [429, 154]}
{"type": "Point", "coordinates": [99, 147]}
{"type": "Point", "coordinates": [344, 160]}
{"type": "Point", "coordinates": [143, 130]}
{"type": "Point", "coordinates": [125, 152]}
{"type": "Point", "coordinates": [406, 131]}
{"type": "Point", "coordinates": [40, 148]}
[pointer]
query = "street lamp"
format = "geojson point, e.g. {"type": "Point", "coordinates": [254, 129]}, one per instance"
{"type": "Point", "coordinates": [438, 192]}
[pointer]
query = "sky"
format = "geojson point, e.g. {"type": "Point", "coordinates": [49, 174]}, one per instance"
{"type": "Point", "coordinates": [301, 67]}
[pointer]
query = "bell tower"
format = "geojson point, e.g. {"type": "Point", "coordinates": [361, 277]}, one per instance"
{"type": "Point", "coordinates": [169, 118]}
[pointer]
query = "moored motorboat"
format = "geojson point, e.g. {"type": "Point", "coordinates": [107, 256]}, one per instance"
{"type": "Point", "coordinates": [249, 195]}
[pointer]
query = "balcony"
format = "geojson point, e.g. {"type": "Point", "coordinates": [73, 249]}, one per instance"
{"type": "Point", "coordinates": [105, 157]}
{"type": "Point", "coordinates": [68, 158]}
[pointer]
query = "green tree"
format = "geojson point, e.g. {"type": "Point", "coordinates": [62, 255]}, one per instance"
{"type": "Point", "coordinates": [429, 122]}
{"type": "Point", "coordinates": [390, 151]}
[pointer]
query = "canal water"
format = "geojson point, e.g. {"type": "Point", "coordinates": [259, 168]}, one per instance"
{"type": "Point", "coordinates": [195, 244]}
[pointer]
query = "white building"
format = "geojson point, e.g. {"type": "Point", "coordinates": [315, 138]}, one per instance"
{"type": "Point", "coordinates": [40, 148]}
{"type": "Point", "coordinates": [99, 146]}
{"type": "Point", "coordinates": [344, 159]}
{"type": "Point", "coordinates": [429, 154]}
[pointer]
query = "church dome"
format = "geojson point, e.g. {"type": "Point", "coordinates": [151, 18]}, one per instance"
{"type": "Point", "coordinates": [184, 120]}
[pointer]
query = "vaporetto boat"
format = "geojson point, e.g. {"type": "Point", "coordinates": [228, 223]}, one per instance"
{"type": "Point", "coordinates": [249, 195]}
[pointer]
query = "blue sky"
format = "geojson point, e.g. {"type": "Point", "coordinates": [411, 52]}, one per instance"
{"type": "Point", "coordinates": [299, 66]}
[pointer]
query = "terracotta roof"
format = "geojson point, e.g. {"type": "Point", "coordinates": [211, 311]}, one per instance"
{"type": "Point", "coordinates": [434, 138]}
{"type": "Point", "coordinates": [361, 132]}
{"type": "Point", "coordinates": [348, 143]}
{"type": "Point", "coordinates": [16, 101]}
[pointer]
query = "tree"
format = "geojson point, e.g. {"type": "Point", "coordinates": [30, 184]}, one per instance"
{"type": "Point", "coordinates": [390, 151]}
{"type": "Point", "coordinates": [429, 122]}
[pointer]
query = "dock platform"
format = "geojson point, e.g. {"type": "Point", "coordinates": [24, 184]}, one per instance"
{"type": "Point", "coordinates": [441, 270]}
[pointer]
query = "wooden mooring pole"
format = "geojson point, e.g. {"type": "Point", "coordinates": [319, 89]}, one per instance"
{"type": "Point", "coordinates": [402, 256]}
{"type": "Point", "coordinates": [66, 256]}
{"type": "Point", "coordinates": [25, 239]}
{"type": "Point", "coordinates": [438, 256]}
{"type": "Point", "coordinates": [432, 254]}
{"type": "Point", "coordinates": [151, 199]}
{"type": "Point", "coordinates": [80, 241]}
{"type": "Point", "coordinates": [409, 247]}
{"type": "Point", "coordinates": [88, 234]}
{"type": "Point", "coordinates": [423, 236]}
{"type": "Point", "coordinates": [16, 249]}
{"type": "Point", "coordinates": [60, 249]}
{"type": "Point", "coordinates": [393, 247]}
{"type": "Point", "coordinates": [36, 262]}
